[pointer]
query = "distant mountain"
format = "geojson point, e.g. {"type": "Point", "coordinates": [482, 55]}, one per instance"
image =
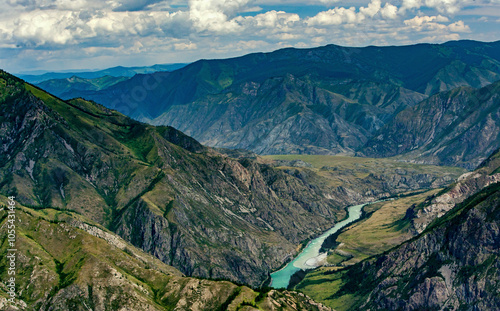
{"type": "Point", "coordinates": [324, 100]}
{"type": "Point", "coordinates": [459, 127]}
{"type": "Point", "coordinates": [118, 71]}
{"type": "Point", "coordinates": [64, 88]}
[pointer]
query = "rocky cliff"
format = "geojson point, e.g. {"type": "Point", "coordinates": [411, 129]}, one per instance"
{"type": "Point", "coordinates": [454, 264]}
{"type": "Point", "coordinates": [460, 127]}
{"type": "Point", "coordinates": [466, 185]}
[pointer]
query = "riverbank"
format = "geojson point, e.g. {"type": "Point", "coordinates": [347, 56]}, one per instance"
{"type": "Point", "coordinates": [311, 257]}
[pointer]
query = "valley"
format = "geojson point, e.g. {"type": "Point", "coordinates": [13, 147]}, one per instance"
{"type": "Point", "coordinates": [355, 181]}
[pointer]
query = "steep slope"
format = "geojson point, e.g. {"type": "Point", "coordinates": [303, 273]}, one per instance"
{"type": "Point", "coordinates": [199, 211]}
{"type": "Point", "coordinates": [325, 100]}
{"type": "Point", "coordinates": [453, 264]}
{"type": "Point", "coordinates": [459, 127]}
{"type": "Point", "coordinates": [66, 262]}
{"type": "Point", "coordinates": [290, 115]}
{"type": "Point", "coordinates": [63, 88]}
{"type": "Point", "coordinates": [467, 185]}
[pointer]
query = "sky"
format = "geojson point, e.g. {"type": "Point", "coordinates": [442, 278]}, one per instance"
{"type": "Point", "coordinates": [56, 35]}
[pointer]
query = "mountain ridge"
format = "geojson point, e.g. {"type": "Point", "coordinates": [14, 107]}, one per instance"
{"type": "Point", "coordinates": [117, 71]}
{"type": "Point", "coordinates": [200, 211]}
{"type": "Point", "coordinates": [456, 127]}
{"type": "Point", "coordinates": [269, 102]}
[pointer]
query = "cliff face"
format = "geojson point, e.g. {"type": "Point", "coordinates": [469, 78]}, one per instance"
{"type": "Point", "coordinates": [467, 185]}
{"type": "Point", "coordinates": [460, 127]}
{"type": "Point", "coordinates": [453, 264]}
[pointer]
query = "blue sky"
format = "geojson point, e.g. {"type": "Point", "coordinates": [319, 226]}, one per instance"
{"type": "Point", "coordinates": [92, 34]}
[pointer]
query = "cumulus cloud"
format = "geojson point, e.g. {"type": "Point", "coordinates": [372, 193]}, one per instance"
{"type": "Point", "coordinates": [270, 20]}
{"type": "Point", "coordinates": [213, 15]}
{"type": "Point", "coordinates": [422, 20]}
{"type": "Point", "coordinates": [335, 16]}
{"type": "Point", "coordinates": [373, 8]}
{"type": "Point", "coordinates": [442, 6]}
{"type": "Point", "coordinates": [389, 11]}
{"type": "Point", "coordinates": [435, 24]}
{"type": "Point", "coordinates": [459, 26]}
{"type": "Point", "coordinates": [157, 27]}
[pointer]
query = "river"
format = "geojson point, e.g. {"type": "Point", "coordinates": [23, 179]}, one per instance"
{"type": "Point", "coordinates": [310, 256]}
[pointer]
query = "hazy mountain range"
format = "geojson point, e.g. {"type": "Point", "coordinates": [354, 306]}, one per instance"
{"type": "Point", "coordinates": [118, 71]}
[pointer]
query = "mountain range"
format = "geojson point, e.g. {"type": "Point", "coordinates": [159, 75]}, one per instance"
{"type": "Point", "coordinates": [118, 71]}
{"type": "Point", "coordinates": [121, 210]}
{"type": "Point", "coordinates": [459, 127]}
{"type": "Point", "coordinates": [327, 100]}
{"type": "Point", "coordinates": [194, 208]}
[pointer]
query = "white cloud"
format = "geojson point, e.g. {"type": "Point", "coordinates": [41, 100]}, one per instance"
{"type": "Point", "coordinates": [389, 11]}
{"type": "Point", "coordinates": [40, 27]}
{"type": "Point", "coordinates": [459, 26]}
{"type": "Point", "coordinates": [213, 15]}
{"type": "Point", "coordinates": [434, 24]}
{"type": "Point", "coordinates": [418, 21]}
{"type": "Point", "coordinates": [209, 28]}
{"type": "Point", "coordinates": [270, 20]}
{"type": "Point", "coordinates": [335, 16]}
{"type": "Point", "coordinates": [373, 8]}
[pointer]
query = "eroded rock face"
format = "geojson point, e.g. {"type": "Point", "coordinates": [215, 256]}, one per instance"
{"type": "Point", "coordinates": [460, 128]}
{"type": "Point", "coordinates": [467, 185]}
{"type": "Point", "coordinates": [455, 265]}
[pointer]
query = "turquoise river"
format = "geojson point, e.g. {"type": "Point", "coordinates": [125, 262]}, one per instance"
{"type": "Point", "coordinates": [310, 257]}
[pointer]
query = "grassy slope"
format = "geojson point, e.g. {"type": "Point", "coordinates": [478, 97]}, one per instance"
{"type": "Point", "coordinates": [56, 259]}
{"type": "Point", "coordinates": [384, 229]}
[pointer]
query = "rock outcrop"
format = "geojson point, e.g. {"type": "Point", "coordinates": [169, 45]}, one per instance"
{"type": "Point", "coordinates": [460, 127]}
{"type": "Point", "coordinates": [454, 264]}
